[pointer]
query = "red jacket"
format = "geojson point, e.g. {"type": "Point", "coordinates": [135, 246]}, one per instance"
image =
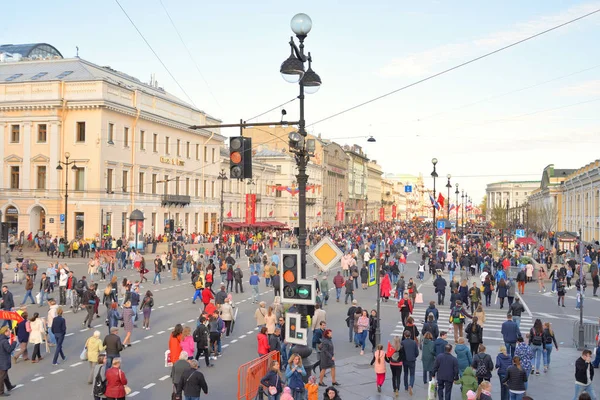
{"type": "Point", "coordinates": [115, 381]}
{"type": "Point", "coordinates": [263, 344]}
{"type": "Point", "coordinates": [402, 305]}
{"type": "Point", "coordinates": [207, 296]}
{"type": "Point", "coordinates": [338, 281]}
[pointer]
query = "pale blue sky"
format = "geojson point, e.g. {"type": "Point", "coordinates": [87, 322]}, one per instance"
{"type": "Point", "coordinates": [361, 50]}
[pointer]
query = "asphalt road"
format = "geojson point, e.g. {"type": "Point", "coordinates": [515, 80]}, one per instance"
{"type": "Point", "coordinates": [143, 363]}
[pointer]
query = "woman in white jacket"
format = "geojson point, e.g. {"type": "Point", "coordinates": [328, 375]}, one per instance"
{"type": "Point", "coordinates": [38, 330]}
{"type": "Point", "coordinates": [227, 315]}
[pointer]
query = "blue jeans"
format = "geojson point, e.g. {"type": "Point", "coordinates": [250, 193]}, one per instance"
{"type": "Point", "coordinates": [409, 367]}
{"type": "Point", "coordinates": [547, 354]}
{"type": "Point", "coordinates": [197, 295]}
{"type": "Point", "coordinates": [338, 292]}
{"type": "Point", "coordinates": [554, 282]}
{"type": "Point", "coordinates": [584, 388]}
{"type": "Point", "coordinates": [155, 277]}
{"type": "Point", "coordinates": [135, 313]}
{"type": "Point", "coordinates": [362, 338]}
{"type": "Point", "coordinates": [510, 349]}
{"type": "Point", "coordinates": [517, 320]}
{"type": "Point", "coordinates": [109, 360]}
{"type": "Point", "coordinates": [191, 398]}
{"type": "Point", "coordinates": [179, 272]}
{"type": "Point", "coordinates": [596, 361]}
{"type": "Point", "coordinates": [503, 388]}
{"type": "Point", "coordinates": [28, 295]}
{"type": "Point", "coordinates": [187, 267]}
{"type": "Point", "coordinates": [450, 275]}
{"type": "Point", "coordinates": [515, 396]}
{"type": "Point", "coordinates": [537, 356]}
{"type": "Point", "coordinates": [254, 292]}
{"type": "Point", "coordinates": [59, 342]}
{"type": "Point", "coordinates": [51, 337]}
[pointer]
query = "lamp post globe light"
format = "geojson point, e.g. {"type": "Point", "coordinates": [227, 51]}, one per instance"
{"type": "Point", "coordinates": [462, 197]}
{"type": "Point", "coordinates": [449, 186]}
{"type": "Point", "coordinates": [60, 168]}
{"type": "Point", "coordinates": [456, 193]}
{"type": "Point", "coordinates": [293, 70]}
{"type": "Point", "coordinates": [434, 175]}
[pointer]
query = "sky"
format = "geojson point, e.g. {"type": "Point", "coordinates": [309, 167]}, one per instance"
{"type": "Point", "coordinates": [504, 117]}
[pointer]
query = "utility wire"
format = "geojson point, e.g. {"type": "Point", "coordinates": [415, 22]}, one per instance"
{"type": "Point", "coordinates": [456, 67]}
{"type": "Point", "coordinates": [191, 56]}
{"type": "Point", "coordinates": [268, 111]}
{"type": "Point", "coordinates": [155, 54]}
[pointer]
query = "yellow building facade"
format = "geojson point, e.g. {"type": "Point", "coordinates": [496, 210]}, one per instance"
{"type": "Point", "coordinates": [128, 141]}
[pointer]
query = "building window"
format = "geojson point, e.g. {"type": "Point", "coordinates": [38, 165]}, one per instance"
{"type": "Point", "coordinates": [111, 133]}
{"type": "Point", "coordinates": [212, 189]}
{"type": "Point", "coordinates": [125, 137]}
{"type": "Point", "coordinates": [525, 194]}
{"type": "Point", "coordinates": [187, 150]}
{"type": "Point", "coordinates": [41, 177]}
{"type": "Point", "coordinates": [154, 181]}
{"type": "Point", "coordinates": [277, 192]}
{"type": "Point", "coordinates": [155, 142]}
{"type": "Point", "coordinates": [197, 152]}
{"type": "Point", "coordinates": [187, 186]}
{"type": "Point", "coordinates": [205, 153]}
{"type": "Point", "coordinates": [14, 177]}
{"type": "Point", "coordinates": [15, 133]}
{"type": "Point", "coordinates": [213, 155]}
{"type": "Point", "coordinates": [141, 183]}
{"type": "Point", "coordinates": [125, 180]}
{"type": "Point", "coordinates": [142, 140]}
{"type": "Point", "coordinates": [178, 148]}
{"type": "Point", "coordinates": [80, 135]}
{"type": "Point", "coordinates": [177, 185]}
{"type": "Point", "coordinates": [79, 179]}
{"type": "Point", "coordinates": [204, 188]}
{"type": "Point", "coordinates": [42, 133]}
{"type": "Point", "coordinates": [516, 193]}
{"type": "Point", "coordinates": [197, 187]}
{"type": "Point", "coordinates": [109, 180]}
{"type": "Point", "coordinates": [166, 185]}
{"type": "Point", "coordinates": [167, 140]}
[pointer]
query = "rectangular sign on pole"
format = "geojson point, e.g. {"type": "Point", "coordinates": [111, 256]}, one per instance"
{"type": "Point", "coordinates": [394, 211]}
{"type": "Point", "coordinates": [520, 233]}
{"type": "Point", "coordinates": [372, 272]}
{"type": "Point", "coordinates": [441, 224]}
{"type": "Point", "coordinates": [407, 189]}
{"type": "Point", "coordinates": [340, 211]}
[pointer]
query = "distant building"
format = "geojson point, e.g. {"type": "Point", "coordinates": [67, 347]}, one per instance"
{"type": "Point", "coordinates": [356, 206]}
{"type": "Point", "coordinates": [581, 201]}
{"type": "Point", "coordinates": [515, 192]}
{"type": "Point", "coordinates": [545, 204]}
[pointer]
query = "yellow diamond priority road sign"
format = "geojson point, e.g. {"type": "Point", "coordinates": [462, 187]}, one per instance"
{"type": "Point", "coordinates": [326, 254]}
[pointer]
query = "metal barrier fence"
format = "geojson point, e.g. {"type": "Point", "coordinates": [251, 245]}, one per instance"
{"type": "Point", "coordinates": [589, 334]}
{"type": "Point", "coordinates": [250, 374]}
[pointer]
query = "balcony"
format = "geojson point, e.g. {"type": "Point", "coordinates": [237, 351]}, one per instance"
{"type": "Point", "coordinates": [311, 201]}
{"type": "Point", "coordinates": [175, 200]}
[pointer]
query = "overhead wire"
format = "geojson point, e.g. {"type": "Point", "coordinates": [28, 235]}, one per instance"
{"type": "Point", "coordinates": [156, 54]}
{"type": "Point", "coordinates": [190, 55]}
{"type": "Point", "coordinates": [272, 109]}
{"type": "Point", "coordinates": [471, 61]}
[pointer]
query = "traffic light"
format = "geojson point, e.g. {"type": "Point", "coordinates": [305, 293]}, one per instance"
{"type": "Point", "coordinates": [240, 157]}
{"type": "Point", "coordinates": [296, 290]}
{"type": "Point", "coordinates": [294, 333]}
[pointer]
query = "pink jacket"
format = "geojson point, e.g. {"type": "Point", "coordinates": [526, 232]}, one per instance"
{"type": "Point", "coordinates": [188, 346]}
{"type": "Point", "coordinates": [379, 362]}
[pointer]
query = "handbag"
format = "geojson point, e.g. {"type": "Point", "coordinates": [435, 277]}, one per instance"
{"type": "Point", "coordinates": [273, 389]}
{"type": "Point", "coordinates": [127, 388]}
{"type": "Point", "coordinates": [84, 353]}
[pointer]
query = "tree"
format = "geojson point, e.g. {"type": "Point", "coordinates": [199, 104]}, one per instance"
{"type": "Point", "coordinates": [548, 217]}
{"type": "Point", "coordinates": [483, 205]}
{"type": "Point", "coordinates": [498, 217]}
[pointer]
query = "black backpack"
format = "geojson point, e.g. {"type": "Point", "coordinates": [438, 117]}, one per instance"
{"type": "Point", "coordinates": [99, 384]}
{"type": "Point", "coordinates": [536, 339]}
{"type": "Point", "coordinates": [481, 371]}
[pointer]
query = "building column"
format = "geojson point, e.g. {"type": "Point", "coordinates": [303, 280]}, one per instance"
{"type": "Point", "coordinates": [54, 156]}
{"type": "Point", "coordinates": [26, 180]}
{"type": "Point", "coordinates": [3, 131]}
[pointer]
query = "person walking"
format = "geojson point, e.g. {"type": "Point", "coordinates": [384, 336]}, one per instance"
{"type": "Point", "coordinates": [516, 310]}
{"type": "Point", "coordinates": [510, 333]}
{"type": "Point", "coordinates": [88, 300]}
{"type": "Point", "coordinates": [468, 382]}
{"type": "Point", "coordinates": [349, 285]}
{"type": "Point", "coordinates": [177, 370]}
{"type": "Point", "coordinates": [295, 373]}
{"type": "Point", "coordinates": [59, 329]}
{"type": "Point", "coordinates": [464, 356]}
{"type": "Point", "coordinates": [116, 381]}
{"type": "Point", "coordinates": [36, 336]}
{"type": "Point", "coordinates": [273, 381]}
{"type": "Point", "coordinates": [474, 297]}
{"type": "Point", "coordinates": [363, 330]}
{"type": "Point", "coordinates": [474, 333]}
{"type": "Point", "coordinates": [405, 306]}
{"type": "Point", "coordinates": [254, 281]}
{"type": "Point", "coordinates": [457, 317]}
{"type": "Point", "coordinates": [584, 375]}
{"type": "Point", "coordinates": [23, 337]}
{"type": "Point", "coordinates": [523, 351]}
{"type": "Point", "coordinates": [28, 289]}
{"type": "Point", "coordinates": [99, 373]}
{"type": "Point", "coordinates": [503, 361]}
{"type": "Point", "coordinates": [327, 358]}
{"type": "Point", "coordinates": [6, 349]}
{"type": "Point", "coordinates": [536, 341]}
{"type": "Point", "coordinates": [411, 352]}
{"type": "Point", "coordinates": [378, 363]}
{"type": "Point", "coordinates": [445, 369]}
{"type": "Point", "coordinates": [192, 382]}
{"type": "Point", "coordinates": [94, 348]}
{"type": "Point", "coordinates": [482, 364]}
{"type": "Point", "coordinates": [112, 344]}
{"type": "Point", "coordinates": [515, 380]}
{"type": "Point", "coordinates": [521, 279]}
{"type": "Point", "coordinates": [427, 357]}
{"type": "Point", "coordinates": [227, 315]}
{"type": "Point", "coordinates": [502, 292]}
{"type": "Point", "coordinates": [440, 288]}
{"type": "Point", "coordinates": [549, 340]}
{"type": "Point", "coordinates": [338, 283]}
{"type": "Point", "coordinates": [127, 323]}
{"type": "Point", "coordinates": [146, 306]}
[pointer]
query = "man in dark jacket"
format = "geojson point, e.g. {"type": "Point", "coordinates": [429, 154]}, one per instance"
{"type": "Point", "coordinates": [23, 337]}
{"type": "Point", "coordinates": [237, 277]}
{"type": "Point", "coordinates": [445, 369]}
{"type": "Point", "coordinates": [411, 352]}
{"type": "Point", "coordinates": [192, 382]}
{"type": "Point", "coordinates": [431, 326]}
{"type": "Point", "coordinates": [433, 311]}
{"type": "Point", "coordinates": [440, 288]}
{"type": "Point", "coordinates": [113, 345]}
{"type": "Point", "coordinates": [516, 309]}
{"type": "Point", "coordinates": [584, 374]}
{"type": "Point", "coordinates": [349, 290]}
{"type": "Point", "coordinates": [8, 303]}
{"type": "Point", "coordinates": [6, 348]}
{"type": "Point", "coordinates": [201, 336]}
{"type": "Point", "coordinates": [276, 281]}
{"type": "Point", "coordinates": [221, 295]}
{"type": "Point", "coordinates": [440, 343]}
{"type": "Point", "coordinates": [510, 332]}
{"type": "Point", "coordinates": [350, 319]}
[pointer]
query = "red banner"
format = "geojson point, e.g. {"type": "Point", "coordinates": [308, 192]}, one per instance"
{"type": "Point", "coordinates": [11, 315]}
{"type": "Point", "coordinates": [382, 214]}
{"type": "Point", "coordinates": [339, 216]}
{"type": "Point", "coordinates": [251, 209]}
{"type": "Point", "coordinates": [393, 211]}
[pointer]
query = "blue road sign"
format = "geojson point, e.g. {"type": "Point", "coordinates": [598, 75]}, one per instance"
{"type": "Point", "coordinates": [453, 224]}
{"type": "Point", "coordinates": [62, 217]}
{"type": "Point", "coordinates": [441, 224]}
{"type": "Point", "coordinates": [520, 233]}
{"type": "Point", "coordinates": [440, 232]}
{"type": "Point", "coordinates": [408, 189]}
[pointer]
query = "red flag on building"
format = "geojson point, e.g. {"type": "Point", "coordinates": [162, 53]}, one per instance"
{"type": "Point", "coordinates": [382, 214]}
{"type": "Point", "coordinates": [394, 211]}
{"type": "Point", "coordinates": [441, 200]}
{"type": "Point", "coordinates": [339, 215]}
{"type": "Point", "coordinates": [271, 213]}
{"type": "Point", "coordinates": [319, 214]}
{"type": "Point", "coordinates": [229, 214]}
{"type": "Point", "coordinates": [251, 209]}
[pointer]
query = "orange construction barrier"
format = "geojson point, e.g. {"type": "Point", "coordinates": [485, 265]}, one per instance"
{"type": "Point", "coordinates": [250, 374]}
{"type": "Point", "coordinates": [107, 253]}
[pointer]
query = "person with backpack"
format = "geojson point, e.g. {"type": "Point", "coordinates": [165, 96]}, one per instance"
{"type": "Point", "coordinates": [395, 360]}
{"type": "Point", "coordinates": [474, 333]}
{"type": "Point", "coordinates": [536, 341]}
{"type": "Point", "coordinates": [99, 384]}
{"type": "Point", "coordinates": [457, 318]}
{"type": "Point", "coordinates": [516, 379]}
{"type": "Point", "coordinates": [483, 365]}
{"type": "Point", "coordinates": [146, 306]}
{"type": "Point", "coordinates": [201, 338]}
{"type": "Point", "coordinates": [523, 351]}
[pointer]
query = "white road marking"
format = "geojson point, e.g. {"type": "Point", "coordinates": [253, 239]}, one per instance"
{"type": "Point", "coordinates": [69, 334]}
{"type": "Point", "coordinates": [249, 332]}
{"type": "Point", "coordinates": [133, 394]}
{"type": "Point", "coordinates": [39, 378]}
{"type": "Point", "coordinates": [56, 372]}
{"type": "Point", "coordinates": [225, 345]}
{"type": "Point", "coordinates": [76, 364]}
{"type": "Point", "coordinates": [83, 330]}
{"type": "Point", "coordinates": [241, 337]}
{"type": "Point", "coordinates": [160, 333]}
{"type": "Point", "coordinates": [97, 326]}
{"type": "Point", "coordinates": [164, 377]}
{"type": "Point", "coordinates": [148, 386]}
{"type": "Point", "coordinates": [178, 301]}
{"type": "Point", "coordinates": [149, 336]}
{"type": "Point", "coordinates": [18, 386]}
{"type": "Point", "coordinates": [161, 307]}
{"type": "Point", "coordinates": [191, 320]}
{"type": "Point", "coordinates": [136, 342]}
{"type": "Point", "coordinates": [170, 304]}
{"type": "Point", "coordinates": [234, 340]}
